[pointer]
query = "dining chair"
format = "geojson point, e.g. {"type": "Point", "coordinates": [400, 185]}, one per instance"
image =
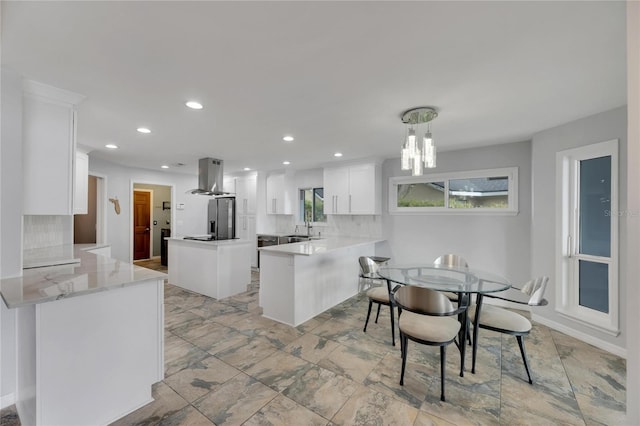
{"type": "Point", "coordinates": [427, 317]}
{"type": "Point", "coordinates": [495, 318]}
{"type": "Point", "coordinates": [452, 261]}
{"type": "Point", "coordinates": [380, 294]}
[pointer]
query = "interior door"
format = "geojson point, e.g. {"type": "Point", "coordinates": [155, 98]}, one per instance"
{"type": "Point", "coordinates": [141, 224]}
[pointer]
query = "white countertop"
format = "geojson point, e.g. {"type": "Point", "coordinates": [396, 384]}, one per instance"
{"type": "Point", "coordinates": [315, 247]}
{"type": "Point", "coordinates": [94, 273]}
{"type": "Point", "coordinates": [55, 255]}
{"type": "Point", "coordinates": [210, 243]}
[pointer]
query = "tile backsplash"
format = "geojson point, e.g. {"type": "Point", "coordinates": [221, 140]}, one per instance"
{"type": "Point", "coordinates": [337, 225]}
{"type": "Point", "coordinates": [46, 231]}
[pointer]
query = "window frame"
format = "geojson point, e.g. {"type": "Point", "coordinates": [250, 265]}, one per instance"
{"type": "Point", "coordinates": [299, 218]}
{"type": "Point", "coordinates": [567, 234]}
{"type": "Point", "coordinates": [512, 192]}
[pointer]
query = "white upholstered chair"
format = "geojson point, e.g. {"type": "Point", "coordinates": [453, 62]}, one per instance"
{"type": "Point", "coordinates": [502, 320]}
{"type": "Point", "coordinates": [379, 295]}
{"type": "Point", "coordinates": [427, 317]}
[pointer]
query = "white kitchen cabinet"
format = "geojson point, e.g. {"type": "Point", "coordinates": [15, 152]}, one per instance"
{"type": "Point", "coordinates": [49, 142]}
{"type": "Point", "coordinates": [354, 189]}
{"type": "Point", "coordinates": [246, 194]}
{"type": "Point", "coordinates": [279, 198]}
{"type": "Point", "coordinates": [229, 184]}
{"type": "Point", "coordinates": [246, 230]}
{"type": "Point", "coordinates": [81, 184]}
{"type": "Point", "coordinates": [336, 190]}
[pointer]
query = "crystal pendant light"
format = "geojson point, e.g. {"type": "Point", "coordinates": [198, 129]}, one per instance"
{"type": "Point", "coordinates": [415, 156]}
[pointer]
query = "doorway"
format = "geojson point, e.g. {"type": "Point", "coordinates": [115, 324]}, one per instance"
{"type": "Point", "coordinates": [90, 228]}
{"type": "Point", "coordinates": [151, 223]}
{"type": "Point", "coordinates": [142, 224]}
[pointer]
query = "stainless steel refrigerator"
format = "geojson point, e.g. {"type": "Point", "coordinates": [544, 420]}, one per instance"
{"type": "Point", "coordinates": [222, 218]}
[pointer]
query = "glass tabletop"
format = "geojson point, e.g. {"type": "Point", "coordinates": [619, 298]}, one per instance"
{"type": "Point", "coordinates": [444, 278]}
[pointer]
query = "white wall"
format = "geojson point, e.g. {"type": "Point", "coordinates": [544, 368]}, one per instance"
{"type": "Point", "coordinates": [10, 220]}
{"type": "Point", "coordinates": [499, 244]}
{"type": "Point", "coordinates": [598, 128]}
{"type": "Point", "coordinates": [190, 221]}
{"type": "Point", "coordinates": [633, 202]}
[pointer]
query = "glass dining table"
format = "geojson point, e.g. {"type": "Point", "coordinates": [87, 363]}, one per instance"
{"type": "Point", "coordinates": [463, 282]}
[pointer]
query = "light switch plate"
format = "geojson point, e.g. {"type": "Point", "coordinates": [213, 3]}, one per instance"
{"type": "Point", "coordinates": [180, 206]}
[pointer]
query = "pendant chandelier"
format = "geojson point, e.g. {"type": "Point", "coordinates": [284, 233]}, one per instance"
{"type": "Point", "coordinates": [416, 155]}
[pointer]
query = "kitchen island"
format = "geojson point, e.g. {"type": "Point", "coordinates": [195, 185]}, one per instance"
{"type": "Point", "coordinates": [89, 338]}
{"type": "Point", "coordinates": [216, 269]}
{"type": "Point", "coordinates": [301, 280]}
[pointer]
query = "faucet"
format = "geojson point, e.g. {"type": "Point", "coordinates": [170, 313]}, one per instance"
{"type": "Point", "coordinates": [307, 224]}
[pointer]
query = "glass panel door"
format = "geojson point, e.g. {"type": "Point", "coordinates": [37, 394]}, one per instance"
{"type": "Point", "coordinates": [594, 233]}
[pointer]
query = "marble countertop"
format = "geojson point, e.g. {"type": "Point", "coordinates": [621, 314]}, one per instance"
{"type": "Point", "coordinates": [92, 274]}
{"type": "Point", "coordinates": [315, 247]}
{"type": "Point", "coordinates": [210, 243]}
{"type": "Point", "coordinates": [55, 255]}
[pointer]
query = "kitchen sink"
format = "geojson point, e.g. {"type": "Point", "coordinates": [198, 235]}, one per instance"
{"type": "Point", "coordinates": [297, 239]}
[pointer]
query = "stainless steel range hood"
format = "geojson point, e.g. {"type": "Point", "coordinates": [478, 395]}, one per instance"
{"type": "Point", "coordinates": [209, 177]}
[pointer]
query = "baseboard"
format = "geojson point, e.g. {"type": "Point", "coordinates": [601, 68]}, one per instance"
{"type": "Point", "coordinates": [7, 400]}
{"type": "Point", "coordinates": [598, 343]}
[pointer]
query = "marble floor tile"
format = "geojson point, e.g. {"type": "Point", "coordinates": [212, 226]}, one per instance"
{"type": "Point", "coordinates": [218, 338]}
{"type": "Point", "coordinates": [235, 401]}
{"type": "Point", "coordinates": [201, 378]}
{"type": "Point", "coordinates": [366, 407]}
{"type": "Point", "coordinates": [279, 370]}
{"type": "Point", "coordinates": [176, 318]}
{"type": "Point", "coordinates": [321, 391]}
{"type": "Point", "coordinates": [283, 411]}
{"type": "Point", "coordinates": [311, 348]}
{"type": "Point", "coordinates": [426, 419]}
{"type": "Point", "coordinates": [245, 356]}
{"type": "Point", "coordinates": [212, 308]}
{"type": "Point", "coordinates": [519, 397]}
{"type": "Point", "coordinates": [166, 403]}
{"type": "Point", "coordinates": [187, 416]}
{"type": "Point", "coordinates": [463, 406]}
{"type": "Point", "coordinates": [9, 416]}
{"type": "Point", "coordinates": [231, 318]}
{"type": "Point", "coordinates": [280, 334]}
{"type": "Point", "coordinates": [353, 363]}
{"type": "Point", "coordinates": [182, 355]}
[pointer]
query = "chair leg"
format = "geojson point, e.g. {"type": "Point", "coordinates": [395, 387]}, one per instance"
{"type": "Point", "coordinates": [378, 313]}
{"type": "Point", "coordinates": [368, 315]}
{"type": "Point", "coordinates": [443, 361]}
{"type": "Point", "coordinates": [474, 348]}
{"type": "Point", "coordinates": [393, 327]}
{"type": "Point", "coordinates": [524, 357]}
{"type": "Point", "coordinates": [476, 329]}
{"type": "Point", "coordinates": [403, 343]}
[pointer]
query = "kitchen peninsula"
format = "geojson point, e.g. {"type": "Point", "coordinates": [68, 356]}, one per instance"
{"type": "Point", "coordinates": [299, 281]}
{"type": "Point", "coordinates": [216, 269]}
{"type": "Point", "coordinates": [89, 338]}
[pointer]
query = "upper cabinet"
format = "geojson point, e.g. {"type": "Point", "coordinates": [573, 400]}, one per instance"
{"type": "Point", "coordinates": [49, 142]}
{"type": "Point", "coordinates": [81, 184]}
{"type": "Point", "coordinates": [279, 198]}
{"type": "Point", "coordinates": [246, 194]}
{"type": "Point", "coordinates": [353, 189]}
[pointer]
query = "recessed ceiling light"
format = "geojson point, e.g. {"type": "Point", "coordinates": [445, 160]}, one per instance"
{"type": "Point", "coordinates": [288, 139]}
{"type": "Point", "coordinates": [164, 166]}
{"type": "Point", "coordinates": [143, 130]}
{"type": "Point", "coordinates": [337, 154]}
{"type": "Point", "coordinates": [286, 163]}
{"type": "Point", "coordinates": [194, 105]}
{"type": "Point", "coordinates": [246, 169]}
{"type": "Point", "coordinates": [111, 146]}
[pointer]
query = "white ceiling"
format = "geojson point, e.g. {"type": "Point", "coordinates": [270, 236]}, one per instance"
{"type": "Point", "coordinates": [336, 75]}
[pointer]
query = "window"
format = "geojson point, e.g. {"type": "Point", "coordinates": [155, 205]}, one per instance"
{"type": "Point", "coordinates": [482, 191]}
{"type": "Point", "coordinates": [312, 205]}
{"type": "Point", "coordinates": [587, 195]}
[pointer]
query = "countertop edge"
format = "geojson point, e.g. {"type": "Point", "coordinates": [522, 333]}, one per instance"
{"type": "Point", "coordinates": [294, 249]}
